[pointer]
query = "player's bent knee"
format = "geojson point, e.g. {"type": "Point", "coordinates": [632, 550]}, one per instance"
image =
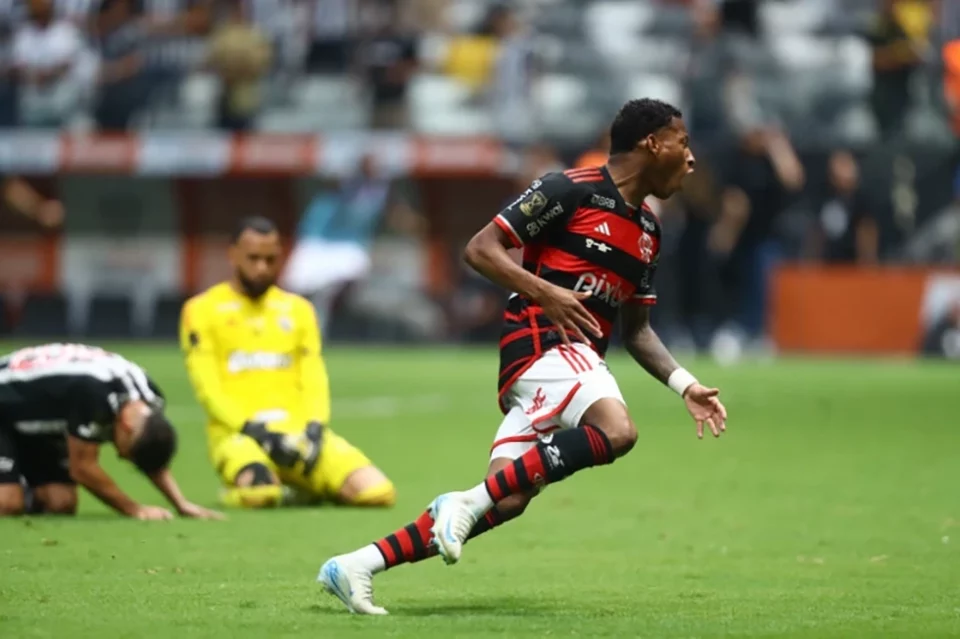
{"type": "Point", "coordinates": [58, 504]}
{"type": "Point", "coordinates": [382, 495]}
{"type": "Point", "coordinates": [256, 474]}
{"type": "Point", "coordinates": [11, 505]}
{"type": "Point", "coordinates": [610, 416]}
{"type": "Point", "coordinates": [623, 437]}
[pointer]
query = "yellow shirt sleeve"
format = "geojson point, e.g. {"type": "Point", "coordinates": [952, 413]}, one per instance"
{"type": "Point", "coordinates": [314, 383]}
{"type": "Point", "coordinates": [197, 342]}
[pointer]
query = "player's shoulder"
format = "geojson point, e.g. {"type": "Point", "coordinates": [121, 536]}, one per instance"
{"type": "Point", "coordinates": [563, 185]}
{"type": "Point", "coordinates": [288, 301]}
{"type": "Point", "coordinates": [204, 300]}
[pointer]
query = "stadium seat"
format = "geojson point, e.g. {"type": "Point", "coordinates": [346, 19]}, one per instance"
{"type": "Point", "coordinates": [198, 98]}
{"type": "Point", "coordinates": [166, 317]}
{"type": "Point", "coordinates": [324, 91]}
{"type": "Point", "coordinates": [433, 91]}
{"type": "Point", "coordinates": [43, 316]}
{"type": "Point", "coordinates": [109, 316]}
{"type": "Point", "coordinates": [655, 85]}
{"type": "Point", "coordinates": [792, 16]}
{"type": "Point", "coordinates": [560, 92]}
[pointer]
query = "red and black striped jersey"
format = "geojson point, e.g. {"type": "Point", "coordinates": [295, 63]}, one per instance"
{"type": "Point", "coordinates": [577, 232]}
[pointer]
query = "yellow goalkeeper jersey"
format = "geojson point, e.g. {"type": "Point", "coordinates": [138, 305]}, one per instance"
{"type": "Point", "coordinates": [254, 359]}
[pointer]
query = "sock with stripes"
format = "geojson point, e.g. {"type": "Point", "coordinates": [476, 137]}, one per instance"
{"type": "Point", "coordinates": [407, 545]}
{"type": "Point", "coordinates": [550, 461]}
{"type": "Point", "coordinates": [411, 543]}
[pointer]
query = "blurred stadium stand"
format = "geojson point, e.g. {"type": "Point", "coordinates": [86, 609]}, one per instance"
{"type": "Point", "coordinates": [458, 103]}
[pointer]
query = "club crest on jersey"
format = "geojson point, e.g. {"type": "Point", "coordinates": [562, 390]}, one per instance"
{"type": "Point", "coordinates": [534, 204]}
{"type": "Point", "coordinates": [646, 245]}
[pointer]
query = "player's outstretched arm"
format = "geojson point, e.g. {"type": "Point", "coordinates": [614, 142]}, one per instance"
{"type": "Point", "coordinates": [645, 346]}
{"type": "Point", "coordinates": [85, 469]}
{"type": "Point", "coordinates": [166, 484]}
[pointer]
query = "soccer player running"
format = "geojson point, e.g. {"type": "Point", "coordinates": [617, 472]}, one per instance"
{"type": "Point", "coordinates": [253, 353]}
{"type": "Point", "coordinates": [58, 404]}
{"type": "Point", "coordinates": [590, 249]}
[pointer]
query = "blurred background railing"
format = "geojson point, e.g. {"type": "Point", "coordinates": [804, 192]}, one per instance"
{"type": "Point", "coordinates": [380, 134]}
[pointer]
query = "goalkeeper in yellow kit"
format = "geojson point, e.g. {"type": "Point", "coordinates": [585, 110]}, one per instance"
{"type": "Point", "coordinates": [253, 354]}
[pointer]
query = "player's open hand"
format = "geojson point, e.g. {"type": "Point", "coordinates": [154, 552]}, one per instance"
{"type": "Point", "coordinates": [706, 409]}
{"type": "Point", "coordinates": [152, 513]}
{"type": "Point", "coordinates": [194, 511]}
{"type": "Point", "coordinates": [566, 310]}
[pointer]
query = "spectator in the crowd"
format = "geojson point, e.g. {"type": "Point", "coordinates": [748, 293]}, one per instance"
{"type": "Point", "coordinates": [942, 337]}
{"type": "Point", "coordinates": [388, 59]}
{"type": "Point", "coordinates": [53, 65]}
{"type": "Point", "coordinates": [123, 84]}
{"type": "Point", "coordinates": [335, 236]}
{"type": "Point", "coordinates": [763, 174]}
{"type": "Point", "coordinates": [10, 16]}
{"type": "Point", "coordinates": [333, 30]}
{"type": "Point", "coordinates": [515, 74]}
{"type": "Point", "coordinates": [21, 197]}
{"type": "Point", "coordinates": [696, 208]}
{"type": "Point", "coordinates": [845, 229]}
{"type": "Point", "coordinates": [471, 57]}
{"type": "Point", "coordinates": [82, 13]}
{"type": "Point", "coordinates": [177, 32]}
{"type": "Point", "coordinates": [240, 54]}
{"type": "Point", "coordinates": [899, 37]}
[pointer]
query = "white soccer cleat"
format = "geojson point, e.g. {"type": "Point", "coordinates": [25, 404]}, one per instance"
{"type": "Point", "coordinates": [350, 583]}
{"type": "Point", "coordinates": [454, 516]}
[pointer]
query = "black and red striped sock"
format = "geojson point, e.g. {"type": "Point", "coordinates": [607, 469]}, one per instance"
{"type": "Point", "coordinates": [488, 522]}
{"type": "Point", "coordinates": [551, 460]}
{"type": "Point", "coordinates": [412, 543]}
{"type": "Point", "coordinates": [409, 544]}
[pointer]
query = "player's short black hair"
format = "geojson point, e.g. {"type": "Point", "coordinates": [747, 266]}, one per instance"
{"type": "Point", "coordinates": [256, 223]}
{"type": "Point", "coordinates": [636, 120]}
{"type": "Point", "coordinates": [156, 444]}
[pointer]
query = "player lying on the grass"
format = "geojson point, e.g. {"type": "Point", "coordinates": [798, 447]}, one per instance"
{"type": "Point", "coordinates": [254, 358]}
{"type": "Point", "coordinates": [58, 404]}
{"type": "Point", "coordinates": [590, 249]}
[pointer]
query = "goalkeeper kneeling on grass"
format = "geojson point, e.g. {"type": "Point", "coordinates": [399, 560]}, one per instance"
{"type": "Point", "coordinates": [254, 358]}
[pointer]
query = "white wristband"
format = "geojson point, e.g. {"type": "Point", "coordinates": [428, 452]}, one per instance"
{"type": "Point", "coordinates": [680, 380]}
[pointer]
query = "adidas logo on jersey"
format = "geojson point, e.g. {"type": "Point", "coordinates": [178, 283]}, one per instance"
{"type": "Point", "coordinates": [603, 229]}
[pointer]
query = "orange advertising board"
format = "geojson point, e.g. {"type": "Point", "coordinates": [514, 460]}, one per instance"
{"type": "Point", "coordinates": [855, 310]}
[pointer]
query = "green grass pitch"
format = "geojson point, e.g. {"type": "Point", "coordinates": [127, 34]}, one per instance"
{"type": "Point", "coordinates": [830, 509]}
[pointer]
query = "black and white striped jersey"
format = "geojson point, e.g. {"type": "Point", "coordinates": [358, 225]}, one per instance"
{"type": "Point", "coordinates": [69, 388]}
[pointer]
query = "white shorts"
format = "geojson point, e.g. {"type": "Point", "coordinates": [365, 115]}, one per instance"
{"type": "Point", "coordinates": [316, 265]}
{"type": "Point", "coordinates": [553, 393]}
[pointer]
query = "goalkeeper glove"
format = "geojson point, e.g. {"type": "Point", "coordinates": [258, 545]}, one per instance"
{"type": "Point", "coordinates": [281, 448]}
{"type": "Point", "coordinates": [311, 444]}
